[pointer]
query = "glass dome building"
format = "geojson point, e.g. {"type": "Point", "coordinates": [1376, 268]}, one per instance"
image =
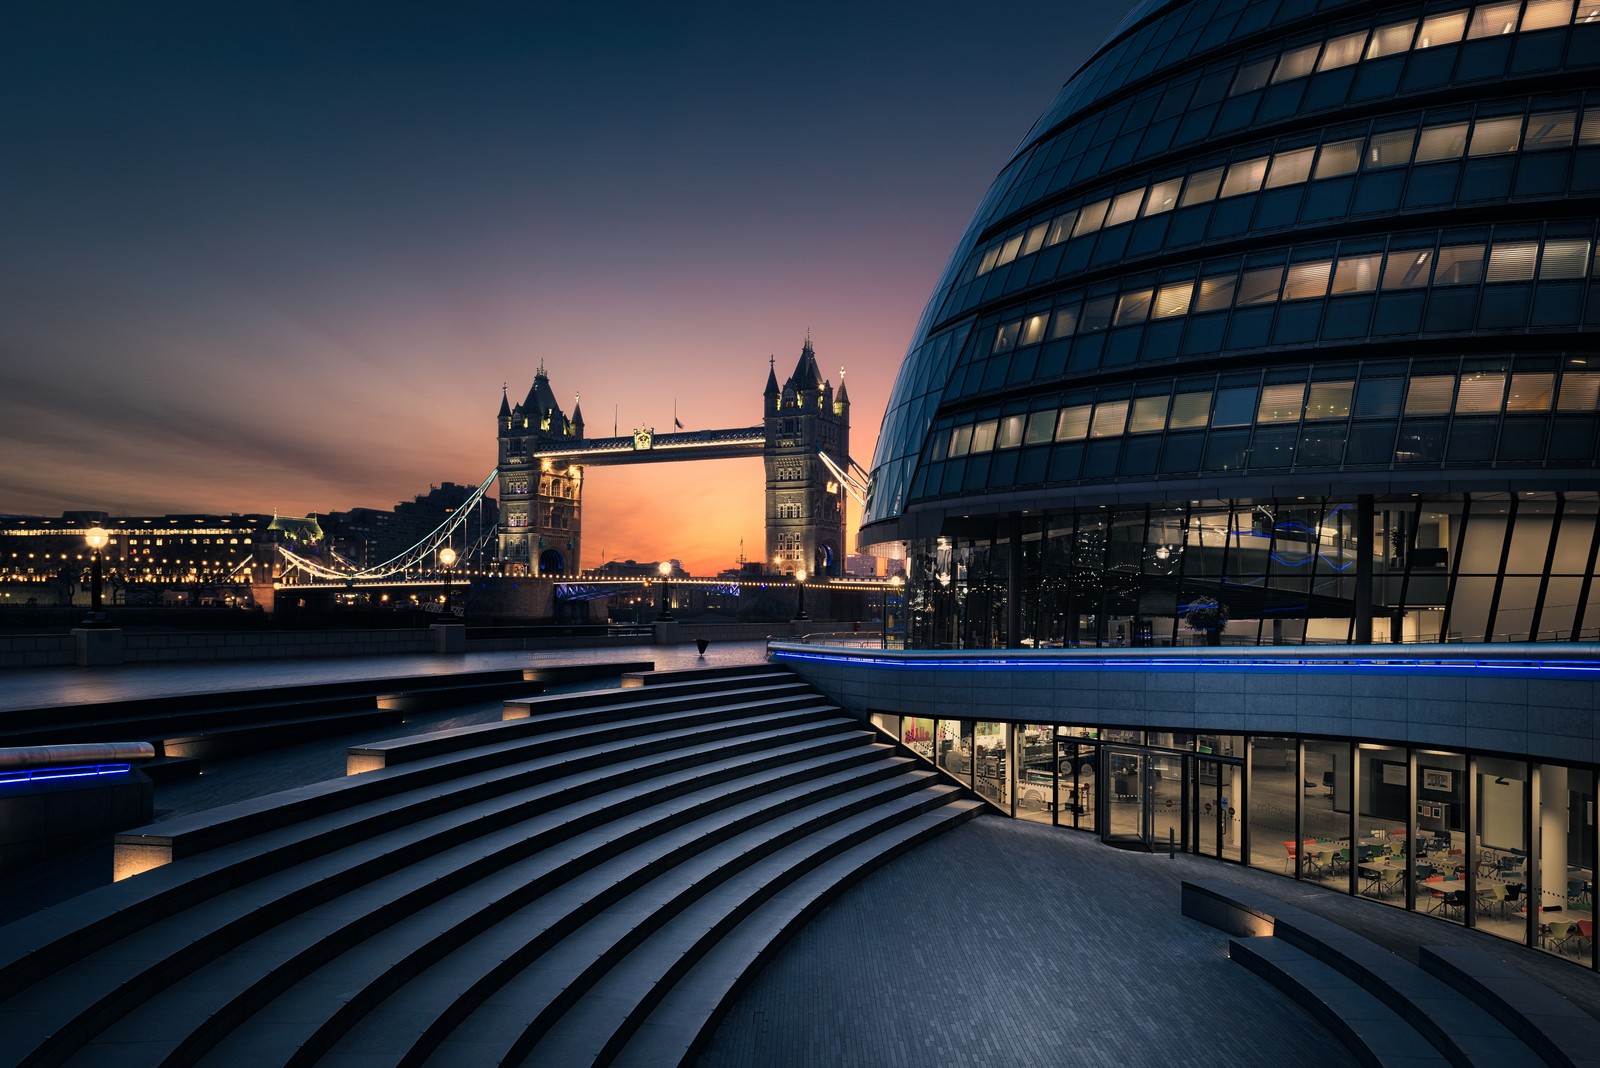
{"type": "Point", "coordinates": [1286, 305]}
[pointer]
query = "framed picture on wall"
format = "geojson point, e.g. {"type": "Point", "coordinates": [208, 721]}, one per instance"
{"type": "Point", "coordinates": [1438, 779]}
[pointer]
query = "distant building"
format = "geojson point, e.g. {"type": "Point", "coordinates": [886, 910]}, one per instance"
{"type": "Point", "coordinates": [861, 565]}
{"type": "Point", "coordinates": [367, 537]}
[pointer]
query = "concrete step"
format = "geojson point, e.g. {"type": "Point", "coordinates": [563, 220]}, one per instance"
{"type": "Point", "coordinates": [1548, 1023]}
{"type": "Point", "coordinates": [216, 743]}
{"type": "Point", "coordinates": [673, 1024]}
{"type": "Point", "coordinates": [701, 675]}
{"type": "Point", "coordinates": [1373, 1032]}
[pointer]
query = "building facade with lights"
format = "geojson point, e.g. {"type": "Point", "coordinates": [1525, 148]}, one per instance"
{"type": "Point", "coordinates": [1288, 307]}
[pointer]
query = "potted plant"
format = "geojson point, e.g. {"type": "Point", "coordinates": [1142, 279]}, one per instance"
{"type": "Point", "coordinates": [1208, 616]}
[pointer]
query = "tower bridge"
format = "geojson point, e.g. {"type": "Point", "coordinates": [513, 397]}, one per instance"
{"type": "Point", "coordinates": [803, 439]}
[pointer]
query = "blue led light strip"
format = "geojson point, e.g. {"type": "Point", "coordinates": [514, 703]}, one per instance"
{"type": "Point", "coordinates": [87, 771]}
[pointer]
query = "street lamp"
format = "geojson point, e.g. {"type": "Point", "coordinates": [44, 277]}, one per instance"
{"type": "Point", "coordinates": [800, 595]}
{"type": "Point", "coordinates": [97, 539]}
{"type": "Point", "coordinates": [895, 582]}
{"type": "Point", "coordinates": [665, 568]}
{"type": "Point", "coordinates": [447, 560]}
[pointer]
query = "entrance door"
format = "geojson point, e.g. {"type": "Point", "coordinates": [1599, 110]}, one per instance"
{"type": "Point", "coordinates": [1125, 817]}
{"type": "Point", "coordinates": [1207, 808]}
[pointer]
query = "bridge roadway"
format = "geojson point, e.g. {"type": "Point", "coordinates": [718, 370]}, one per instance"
{"type": "Point", "coordinates": [999, 942]}
{"type": "Point", "coordinates": [658, 448]}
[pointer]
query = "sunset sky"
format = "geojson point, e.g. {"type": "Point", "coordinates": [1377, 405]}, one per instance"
{"type": "Point", "coordinates": [281, 257]}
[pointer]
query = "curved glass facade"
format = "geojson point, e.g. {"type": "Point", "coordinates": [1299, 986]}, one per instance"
{"type": "Point", "coordinates": [1288, 305]}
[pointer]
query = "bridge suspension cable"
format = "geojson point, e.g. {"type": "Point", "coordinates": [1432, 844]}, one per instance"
{"type": "Point", "coordinates": [854, 480]}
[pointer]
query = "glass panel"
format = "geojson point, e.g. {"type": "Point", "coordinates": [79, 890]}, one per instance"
{"type": "Point", "coordinates": [1343, 51]}
{"type": "Point", "coordinates": [1010, 432]}
{"type": "Point", "coordinates": [1296, 64]}
{"type": "Point", "coordinates": [1097, 313]}
{"type": "Point", "coordinates": [1009, 250]}
{"type": "Point", "coordinates": [1358, 274]}
{"type": "Point", "coordinates": [1442, 142]}
{"type": "Point", "coordinates": [1061, 228]}
{"type": "Point", "coordinates": [1166, 800]}
{"type": "Point", "coordinates": [1580, 391]}
{"type": "Point", "coordinates": [1442, 29]}
{"type": "Point", "coordinates": [1329, 400]}
{"type": "Point", "coordinates": [1090, 218]}
{"type": "Point", "coordinates": [1340, 157]}
{"type": "Point", "coordinates": [1261, 285]}
{"type": "Point", "coordinates": [1274, 786]}
{"type": "Point", "coordinates": [1202, 187]}
{"type": "Point", "coordinates": [1216, 292]}
{"type": "Point", "coordinates": [1033, 329]}
{"type": "Point", "coordinates": [1392, 149]}
{"type": "Point", "coordinates": [1006, 337]}
{"type": "Point", "coordinates": [1564, 258]}
{"type": "Point", "coordinates": [1149, 413]}
{"type": "Point", "coordinates": [1493, 136]}
{"type": "Point", "coordinates": [991, 779]}
{"type": "Point", "coordinates": [1531, 393]}
{"type": "Point", "coordinates": [1459, 264]}
{"type": "Point", "coordinates": [916, 734]}
{"type": "Point", "coordinates": [1066, 322]}
{"type": "Point", "coordinates": [1036, 772]}
{"type": "Point", "coordinates": [1245, 176]}
{"type": "Point", "coordinates": [1326, 814]}
{"type": "Point", "coordinates": [983, 436]}
{"type": "Point", "coordinates": [1494, 20]}
{"type": "Point", "coordinates": [1035, 239]}
{"type": "Point", "coordinates": [1589, 132]}
{"type": "Point", "coordinates": [1133, 307]}
{"type": "Point", "coordinates": [1430, 394]}
{"type": "Point", "coordinates": [1379, 849]}
{"type": "Point", "coordinates": [961, 441]}
{"type": "Point", "coordinates": [1512, 261]}
{"type": "Point", "coordinates": [1307, 280]}
{"type": "Point", "coordinates": [1290, 168]}
{"type": "Point", "coordinates": [1481, 392]}
{"type": "Point", "coordinates": [1252, 75]}
{"type": "Point", "coordinates": [1501, 843]}
{"type": "Point", "coordinates": [1546, 14]}
{"type": "Point", "coordinates": [1235, 407]}
{"type": "Point", "coordinates": [1392, 39]}
{"type": "Point", "coordinates": [1550, 129]}
{"type": "Point", "coordinates": [1124, 796]}
{"type": "Point", "coordinates": [1125, 208]}
{"type": "Point", "coordinates": [1074, 423]}
{"type": "Point", "coordinates": [1109, 418]}
{"type": "Point", "coordinates": [1407, 269]}
{"type": "Point", "coordinates": [1193, 409]}
{"type": "Point", "coordinates": [1041, 427]}
{"type": "Point", "coordinates": [1281, 403]}
{"type": "Point", "coordinates": [1173, 299]}
{"type": "Point", "coordinates": [1441, 827]}
{"type": "Point", "coordinates": [1163, 196]}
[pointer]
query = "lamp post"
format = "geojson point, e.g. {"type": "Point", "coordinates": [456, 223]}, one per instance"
{"type": "Point", "coordinates": [894, 584]}
{"type": "Point", "coordinates": [800, 595]}
{"type": "Point", "coordinates": [447, 560]}
{"type": "Point", "coordinates": [665, 568]}
{"type": "Point", "coordinates": [97, 539]}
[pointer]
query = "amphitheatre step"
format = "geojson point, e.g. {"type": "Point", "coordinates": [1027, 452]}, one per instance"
{"type": "Point", "coordinates": [57, 936]}
{"type": "Point", "coordinates": [303, 1021]}
{"type": "Point", "coordinates": [213, 744]}
{"type": "Point", "coordinates": [201, 1007]}
{"type": "Point", "coordinates": [561, 674]}
{"type": "Point", "coordinates": [717, 887]}
{"type": "Point", "coordinates": [671, 1026]}
{"type": "Point", "coordinates": [661, 678]}
{"type": "Point", "coordinates": [1551, 1025]}
{"type": "Point", "coordinates": [522, 708]}
{"type": "Point", "coordinates": [1372, 1031]}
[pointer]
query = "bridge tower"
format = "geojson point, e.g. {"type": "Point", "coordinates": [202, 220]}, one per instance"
{"type": "Point", "coordinates": [805, 505]}
{"type": "Point", "coordinates": [541, 503]}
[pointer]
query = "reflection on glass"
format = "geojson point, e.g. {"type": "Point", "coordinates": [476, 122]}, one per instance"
{"type": "Point", "coordinates": [991, 775]}
{"type": "Point", "coordinates": [1036, 772]}
{"type": "Point", "coordinates": [1500, 844]}
{"type": "Point", "coordinates": [1379, 850]}
{"type": "Point", "coordinates": [1274, 785]}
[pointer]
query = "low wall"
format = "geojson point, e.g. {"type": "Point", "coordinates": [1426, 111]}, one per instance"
{"type": "Point", "coordinates": [1535, 700]}
{"type": "Point", "coordinates": [154, 647]}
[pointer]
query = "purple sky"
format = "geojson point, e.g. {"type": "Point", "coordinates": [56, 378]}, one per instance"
{"type": "Point", "coordinates": [282, 257]}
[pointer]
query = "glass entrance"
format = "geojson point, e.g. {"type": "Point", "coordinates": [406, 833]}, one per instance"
{"type": "Point", "coordinates": [1144, 797]}
{"type": "Point", "coordinates": [1207, 808]}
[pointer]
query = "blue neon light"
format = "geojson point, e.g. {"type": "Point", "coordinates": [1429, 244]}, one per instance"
{"type": "Point", "coordinates": [87, 771]}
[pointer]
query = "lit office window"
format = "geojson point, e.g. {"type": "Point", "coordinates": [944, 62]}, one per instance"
{"type": "Point", "coordinates": [1110, 417]}
{"type": "Point", "coordinates": [1041, 427]}
{"type": "Point", "coordinates": [1307, 280]}
{"type": "Point", "coordinates": [1580, 392]}
{"type": "Point", "coordinates": [1061, 228]}
{"type": "Point", "coordinates": [1357, 274]}
{"type": "Point", "coordinates": [987, 264]}
{"type": "Point", "coordinates": [1296, 63]}
{"type": "Point", "coordinates": [983, 436]}
{"type": "Point", "coordinates": [1202, 187]}
{"type": "Point", "coordinates": [1133, 307]}
{"type": "Point", "coordinates": [1245, 176]}
{"type": "Point", "coordinates": [1281, 403]}
{"type": "Point", "coordinates": [1494, 20]}
{"type": "Point", "coordinates": [1392, 39]}
{"type": "Point", "coordinates": [1074, 423]}
{"type": "Point", "coordinates": [1290, 168]}
{"type": "Point", "coordinates": [1190, 410]}
{"type": "Point", "coordinates": [1163, 196]}
{"type": "Point", "coordinates": [1531, 393]}
{"type": "Point", "coordinates": [1009, 250]}
{"type": "Point", "coordinates": [1090, 217]}
{"type": "Point", "coordinates": [1097, 314]}
{"type": "Point", "coordinates": [1034, 240]}
{"type": "Point", "coordinates": [1512, 261]}
{"type": "Point", "coordinates": [1407, 269]}
{"type": "Point", "coordinates": [1550, 129]}
{"type": "Point", "coordinates": [1149, 414]}
{"type": "Point", "coordinates": [960, 441]}
{"type": "Point", "coordinates": [1490, 137]}
{"type": "Point", "coordinates": [1564, 258]}
{"type": "Point", "coordinates": [1339, 157]}
{"type": "Point", "coordinates": [1589, 132]}
{"type": "Point", "coordinates": [1006, 337]}
{"type": "Point", "coordinates": [1173, 299]}
{"type": "Point", "coordinates": [1442, 29]}
{"type": "Point", "coordinates": [1343, 51]}
{"type": "Point", "coordinates": [1125, 208]}
{"type": "Point", "coordinates": [1010, 435]}
{"type": "Point", "coordinates": [1481, 392]}
{"type": "Point", "coordinates": [1430, 394]}
{"type": "Point", "coordinates": [1216, 292]}
{"type": "Point", "coordinates": [1442, 142]}
{"type": "Point", "coordinates": [1391, 149]}
{"type": "Point", "coordinates": [1329, 400]}
{"type": "Point", "coordinates": [1260, 285]}
{"type": "Point", "coordinates": [1459, 265]}
{"type": "Point", "coordinates": [1033, 329]}
{"type": "Point", "coordinates": [1546, 14]}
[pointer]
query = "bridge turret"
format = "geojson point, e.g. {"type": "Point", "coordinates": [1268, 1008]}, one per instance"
{"type": "Point", "coordinates": [772, 392]}
{"type": "Point", "coordinates": [540, 514]}
{"type": "Point", "coordinates": [805, 504]}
